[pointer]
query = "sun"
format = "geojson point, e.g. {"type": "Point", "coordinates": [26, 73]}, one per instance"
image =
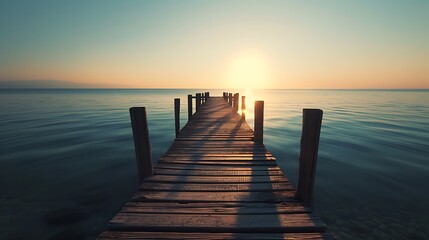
{"type": "Point", "coordinates": [248, 71]}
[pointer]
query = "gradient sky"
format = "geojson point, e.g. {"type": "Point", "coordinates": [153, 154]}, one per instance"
{"type": "Point", "coordinates": [218, 44]}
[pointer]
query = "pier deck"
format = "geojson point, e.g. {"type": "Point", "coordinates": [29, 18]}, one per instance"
{"type": "Point", "coordinates": [215, 183]}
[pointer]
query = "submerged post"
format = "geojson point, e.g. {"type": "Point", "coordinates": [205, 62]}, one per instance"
{"type": "Point", "coordinates": [141, 142]}
{"type": "Point", "coordinates": [177, 115]}
{"type": "Point", "coordinates": [197, 101]}
{"type": "Point", "coordinates": [259, 122]}
{"type": "Point", "coordinates": [311, 125]}
{"type": "Point", "coordinates": [230, 99]}
{"type": "Point", "coordinates": [243, 107]}
{"type": "Point", "coordinates": [189, 107]}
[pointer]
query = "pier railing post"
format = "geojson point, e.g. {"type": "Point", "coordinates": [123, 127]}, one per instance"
{"type": "Point", "coordinates": [230, 99]}
{"type": "Point", "coordinates": [177, 115]}
{"type": "Point", "coordinates": [259, 122]}
{"type": "Point", "coordinates": [189, 107]}
{"type": "Point", "coordinates": [197, 101]}
{"type": "Point", "coordinates": [141, 142]}
{"type": "Point", "coordinates": [311, 125]}
{"type": "Point", "coordinates": [236, 99]}
{"type": "Point", "coordinates": [243, 107]}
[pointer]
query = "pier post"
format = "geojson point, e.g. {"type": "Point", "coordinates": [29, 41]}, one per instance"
{"type": "Point", "coordinates": [243, 107]}
{"type": "Point", "coordinates": [177, 115]}
{"type": "Point", "coordinates": [230, 99]}
{"type": "Point", "coordinates": [259, 122]}
{"type": "Point", "coordinates": [141, 142]}
{"type": "Point", "coordinates": [208, 95]}
{"type": "Point", "coordinates": [197, 101]}
{"type": "Point", "coordinates": [311, 125]}
{"type": "Point", "coordinates": [189, 107]}
{"type": "Point", "coordinates": [203, 98]}
{"type": "Point", "coordinates": [236, 99]}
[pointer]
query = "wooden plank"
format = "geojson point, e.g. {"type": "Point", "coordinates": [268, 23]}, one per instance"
{"type": "Point", "coordinates": [214, 208]}
{"type": "Point", "coordinates": [265, 197]}
{"type": "Point", "coordinates": [226, 173]}
{"type": "Point", "coordinates": [108, 235]}
{"type": "Point", "coordinates": [274, 223]}
{"type": "Point", "coordinates": [217, 163]}
{"type": "Point", "coordinates": [216, 187]}
{"type": "Point", "coordinates": [197, 144]}
{"type": "Point", "coordinates": [253, 167]}
{"type": "Point", "coordinates": [231, 157]}
{"type": "Point", "coordinates": [216, 179]}
{"type": "Point", "coordinates": [199, 154]}
{"type": "Point", "coordinates": [227, 150]}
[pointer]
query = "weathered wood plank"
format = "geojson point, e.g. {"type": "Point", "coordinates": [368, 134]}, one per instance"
{"type": "Point", "coordinates": [108, 235]}
{"type": "Point", "coordinates": [206, 155]}
{"type": "Point", "coordinates": [226, 173]}
{"type": "Point", "coordinates": [218, 162]}
{"type": "Point", "coordinates": [216, 187]}
{"type": "Point", "coordinates": [216, 179]}
{"type": "Point", "coordinates": [216, 166]}
{"type": "Point", "coordinates": [274, 223]}
{"type": "Point", "coordinates": [214, 208]}
{"type": "Point", "coordinates": [264, 197]}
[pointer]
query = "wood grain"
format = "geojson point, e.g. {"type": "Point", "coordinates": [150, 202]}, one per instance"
{"type": "Point", "coordinates": [215, 182]}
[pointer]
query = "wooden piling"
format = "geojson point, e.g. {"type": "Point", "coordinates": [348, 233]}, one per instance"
{"type": "Point", "coordinates": [236, 98]}
{"type": "Point", "coordinates": [141, 142]}
{"type": "Point", "coordinates": [230, 99]}
{"type": "Point", "coordinates": [177, 115]}
{"type": "Point", "coordinates": [311, 125]}
{"type": "Point", "coordinates": [189, 107]}
{"type": "Point", "coordinates": [197, 101]}
{"type": "Point", "coordinates": [243, 107]}
{"type": "Point", "coordinates": [259, 122]}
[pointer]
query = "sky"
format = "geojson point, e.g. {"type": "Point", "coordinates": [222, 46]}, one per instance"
{"type": "Point", "coordinates": [218, 44]}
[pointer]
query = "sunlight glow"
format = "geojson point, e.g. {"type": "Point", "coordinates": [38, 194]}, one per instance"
{"type": "Point", "coordinates": [249, 71]}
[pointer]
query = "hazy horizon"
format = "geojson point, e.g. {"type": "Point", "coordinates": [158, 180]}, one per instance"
{"type": "Point", "coordinates": [59, 84]}
{"type": "Point", "coordinates": [218, 44]}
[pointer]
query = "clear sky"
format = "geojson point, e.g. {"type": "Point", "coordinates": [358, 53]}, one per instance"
{"type": "Point", "coordinates": [218, 44]}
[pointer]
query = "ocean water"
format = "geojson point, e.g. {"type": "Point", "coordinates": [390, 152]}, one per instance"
{"type": "Point", "coordinates": [72, 151]}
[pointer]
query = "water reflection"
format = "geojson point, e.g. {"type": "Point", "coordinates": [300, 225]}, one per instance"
{"type": "Point", "coordinates": [72, 150]}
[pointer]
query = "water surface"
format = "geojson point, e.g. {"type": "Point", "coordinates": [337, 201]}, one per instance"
{"type": "Point", "coordinates": [72, 150]}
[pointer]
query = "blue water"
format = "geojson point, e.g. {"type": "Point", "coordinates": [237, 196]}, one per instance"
{"type": "Point", "coordinates": [73, 150]}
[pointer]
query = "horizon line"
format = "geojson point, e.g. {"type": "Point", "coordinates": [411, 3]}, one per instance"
{"type": "Point", "coordinates": [151, 88]}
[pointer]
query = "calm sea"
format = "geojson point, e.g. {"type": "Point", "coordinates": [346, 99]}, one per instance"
{"type": "Point", "coordinates": [65, 151]}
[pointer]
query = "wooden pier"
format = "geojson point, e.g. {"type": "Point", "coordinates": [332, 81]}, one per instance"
{"type": "Point", "coordinates": [217, 181]}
